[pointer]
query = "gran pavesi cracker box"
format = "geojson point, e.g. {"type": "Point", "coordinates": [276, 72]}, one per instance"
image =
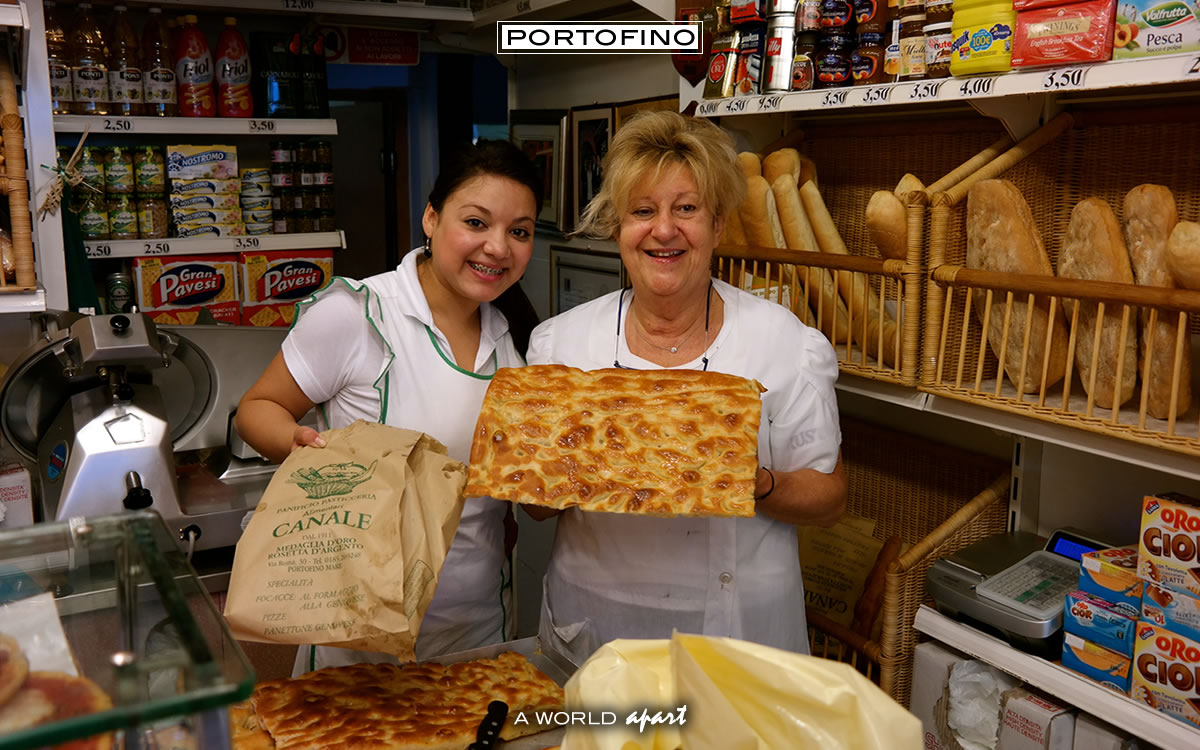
{"type": "Point", "coordinates": [174, 290]}
{"type": "Point", "coordinates": [273, 282]}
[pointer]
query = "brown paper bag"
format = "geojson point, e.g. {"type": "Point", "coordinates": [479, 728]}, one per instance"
{"type": "Point", "coordinates": [346, 545]}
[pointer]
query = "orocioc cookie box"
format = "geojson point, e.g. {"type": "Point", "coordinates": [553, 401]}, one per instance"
{"type": "Point", "coordinates": [1103, 665]}
{"type": "Point", "coordinates": [1169, 542]}
{"type": "Point", "coordinates": [1111, 574]}
{"type": "Point", "coordinates": [1166, 672]}
{"type": "Point", "coordinates": [273, 282]}
{"type": "Point", "coordinates": [1098, 621]}
{"type": "Point", "coordinates": [1176, 611]}
{"type": "Point", "coordinates": [175, 290]}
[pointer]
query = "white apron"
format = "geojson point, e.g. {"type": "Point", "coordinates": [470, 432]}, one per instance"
{"type": "Point", "coordinates": [472, 605]}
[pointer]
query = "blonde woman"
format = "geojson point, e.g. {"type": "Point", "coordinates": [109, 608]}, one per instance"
{"type": "Point", "coordinates": [669, 183]}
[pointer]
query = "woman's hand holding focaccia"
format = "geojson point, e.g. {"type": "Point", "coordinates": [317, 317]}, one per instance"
{"type": "Point", "coordinates": [804, 497]}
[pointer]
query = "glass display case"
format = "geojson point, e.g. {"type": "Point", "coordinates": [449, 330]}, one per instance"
{"type": "Point", "coordinates": [113, 599]}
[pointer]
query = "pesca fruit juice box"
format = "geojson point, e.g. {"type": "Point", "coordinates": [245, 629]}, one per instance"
{"type": "Point", "coordinates": [1155, 27]}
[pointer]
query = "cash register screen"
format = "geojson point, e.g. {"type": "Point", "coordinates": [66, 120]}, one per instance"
{"type": "Point", "coordinates": [1070, 548]}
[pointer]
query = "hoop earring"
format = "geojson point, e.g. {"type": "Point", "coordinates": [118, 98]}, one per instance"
{"type": "Point", "coordinates": [428, 250]}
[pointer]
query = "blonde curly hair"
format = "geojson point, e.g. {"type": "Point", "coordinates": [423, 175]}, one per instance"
{"type": "Point", "coordinates": [652, 142]}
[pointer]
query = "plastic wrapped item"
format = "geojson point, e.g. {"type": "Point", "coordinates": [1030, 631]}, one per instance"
{"type": "Point", "coordinates": [976, 691]}
{"type": "Point", "coordinates": [738, 695]}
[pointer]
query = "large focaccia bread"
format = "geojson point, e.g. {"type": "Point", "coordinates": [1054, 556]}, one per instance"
{"type": "Point", "coordinates": [427, 706]}
{"type": "Point", "coordinates": [658, 442]}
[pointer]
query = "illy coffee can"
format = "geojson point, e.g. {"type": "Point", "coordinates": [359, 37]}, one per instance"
{"type": "Point", "coordinates": [777, 57]}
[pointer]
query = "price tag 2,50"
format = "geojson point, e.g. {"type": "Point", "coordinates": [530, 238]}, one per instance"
{"type": "Point", "coordinates": [1064, 78]}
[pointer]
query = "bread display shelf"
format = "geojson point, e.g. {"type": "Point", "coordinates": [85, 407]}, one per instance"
{"type": "Point", "coordinates": [1142, 721]}
{"type": "Point", "coordinates": [97, 124]}
{"type": "Point", "coordinates": [101, 249]}
{"type": "Point", "coordinates": [1055, 169]}
{"type": "Point", "coordinates": [1114, 75]}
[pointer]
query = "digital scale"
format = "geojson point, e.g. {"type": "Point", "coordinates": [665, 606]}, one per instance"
{"type": "Point", "coordinates": [1013, 585]}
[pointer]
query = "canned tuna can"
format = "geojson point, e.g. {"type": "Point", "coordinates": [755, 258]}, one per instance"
{"type": "Point", "coordinates": [782, 7]}
{"type": "Point", "coordinates": [257, 230]}
{"type": "Point", "coordinates": [722, 66]}
{"type": "Point", "coordinates": [256, 203]}
{"type": "Point", "coordinates": [260, 216]}
{"type": "Point", "coordinates": [256, 190]}
{"type": "Point", "coordinates": [257, 175]}
{"type": "Point", "coordinates": [119, 288]}
{"type": "Point", "coordinates": [777, 61]}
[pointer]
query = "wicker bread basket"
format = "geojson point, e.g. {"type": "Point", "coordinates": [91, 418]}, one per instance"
{"type": "Point", "coordinates": [1075, 156]}
{"type": "Point", "coordinates": [935, 497]}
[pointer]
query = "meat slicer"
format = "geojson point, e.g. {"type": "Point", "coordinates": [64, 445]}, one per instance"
{"type": "Point", "coordinates": [118, 413]}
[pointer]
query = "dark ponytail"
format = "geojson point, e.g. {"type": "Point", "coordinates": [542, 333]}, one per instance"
{"type": "Point", "coordinates": [499, 159]}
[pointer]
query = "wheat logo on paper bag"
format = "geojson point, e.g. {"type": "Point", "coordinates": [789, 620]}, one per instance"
{"type": "Point", "coordinates": [331, 479]}
{"type": "Point", "coordinates": [291, 280]}
{"type": "Point", "coordinates": [192, 284]}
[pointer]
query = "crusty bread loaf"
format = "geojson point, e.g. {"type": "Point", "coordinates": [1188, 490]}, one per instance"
{"type": "Point", "coordinates": [808, 170]}
{"type": "Point", "coordinates": [750, 163]}
{"type": "Point", "coordinates": [887, 223]}
{"type": "Point", "coordinates": [760, 218]}
{"type": "Point", "coordinates": [735, 233]}
{"type": "Point", "coordinates": [1001, 236]}
{"type": "Point", "coordinates": [1095, 250]}
{"type": "Point", "coordinates": [854, 288]}
{"type": "Point", "coordinates": [1183, 254]}
{"type": "Point", "coordinates": [781, 162]}
{"type": "Point", "coordinates": [1150, 215]}
{"type": "Point", "coordinates": [908, 183]}
{"type": "Point", "coordinates": [820, 291]}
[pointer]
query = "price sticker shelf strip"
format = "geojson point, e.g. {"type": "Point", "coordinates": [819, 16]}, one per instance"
{"type": "Point", "coordinates": [193, 125]}
{"type": "Point", "coordinates": [204, 246]}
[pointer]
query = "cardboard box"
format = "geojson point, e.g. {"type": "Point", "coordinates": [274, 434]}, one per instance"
{"type": "Point", "coordinates": [205, 187]}
{"type": "Point", "coordinates": [273, 282]}
{"type": "Point", "coordinates": [1169, 542]}
{"type": "Point", "coordinates": [1095, 620]}
{"type": "Point", "coordinates": [175, 289]}
{"type": "Point", "coordinates": [1031, 722]}
{"type": "Point", "coordinates": [932, 663]}
{"type": "Point", "coordinates": [1176, 611]}
{"type": "Point", "coordinates": [221, 201]}
{"type": "Point", "coordinates": [203, 163]}
{"type": "Point", "coordinates": [1111, 574]}
{"type": "Point", "coordinates": [1166, 672]}
{"type": "Point", "coordinates": [1155, 27]}
{"type": "Point", "coordinates": [1093, 734]}
{"type": "Point", "coordinates": [16, 496]}
{"type": "Point", "coordinates": [1106, 667]}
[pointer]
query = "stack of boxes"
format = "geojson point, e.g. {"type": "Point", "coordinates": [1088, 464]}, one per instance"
{"type": "Point", "coordinates": [1134, 625]}
{"type": "Point", "coordinates": [205, 191]}
{"type": "Point", "coordinates": [256, 201]}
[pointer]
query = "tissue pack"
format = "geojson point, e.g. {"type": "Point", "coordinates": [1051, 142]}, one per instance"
{"type": "Point", "coordinates": [1166, 670]}
{"type": "Point", "coordinates": [1095, 620]}
{"type": "Point", "coordinates": [1176, 611]}
{"type": "Point", "coordinates": [1106, 667]}
{"type": "Point", "coordinates": [1111, 574]}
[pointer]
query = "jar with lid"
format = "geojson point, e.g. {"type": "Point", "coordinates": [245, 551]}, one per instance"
{"type": "Point", "coordinates": [909, 7]}
{"type": "Point", "coordinates": [93, 217]}
{"type": "Point", "coordinates": [282, 223]}
{"type": "Point", "coordinates": [808, 15]}
{"type": "Point", "coordinates": [891, 54]}
{"type": "Point", "coordinates": [283, 175]}
{"type": "Point", "coordinates": [322, 152]}
{"type": "Point", "coordinates": [837, 16]}
{"type": "Point", "coordinates": [323, 176]}
{"type": "Point", "coordinates": [324, 197]}
{"type": "Point", "coordinates": [833, 60]}
{"type": "Point", "coordinates": [939, 11]}
{"type": "Point", "coordinates": [866, 64]}
{"type": "Point", "coordinates": [324, 222]}
{"type": "Point", "coordinates": [305, 200]}
{"type": "Point", "coordinates": [119, 170]}
{"type": "Point", "coordinates": [912, 47]}
{"type": "Point", "coordinates": [91, 165]}
{"type": "Point", "coordinates": [152, 217]}
{"type": "Point", "coordinates": [304, 152]}
{"type": "Point", "coordinates": [871, 16]}
{"type": "Point", "coordinates": [305, 222]}
{"type": "Point", "coordinates": [939, 38]}
{"type": "Point", "coordinates": [281, 152]}
{"type": "Point", "coordinates": [307, 175]}
{"type": "Point", "coordinates": [804, 62]}
{"type": "Point", "coordinates": [122, 217]}
{"type": "Point", "coordinates": [150, 169]}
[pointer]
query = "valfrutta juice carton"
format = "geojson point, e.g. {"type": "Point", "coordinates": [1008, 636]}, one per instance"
{"type": "Point", "coordinates": [1169, 542]}
{"type": "Point", "coordinates": [1166, 672]}
{"type": "Point", "coordinates": [1095, 620]}
{"type": "Point", "coordinates": [1111, 574]}
{"type": "Point", "coordinates": [1176, 611]}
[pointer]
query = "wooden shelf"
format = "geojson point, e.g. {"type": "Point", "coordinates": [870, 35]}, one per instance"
{"type": "Point", "coordinates": [1132, 716]}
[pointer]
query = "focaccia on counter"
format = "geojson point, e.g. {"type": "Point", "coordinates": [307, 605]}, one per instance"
{"type": "Point", "coordinates": [657, 442]}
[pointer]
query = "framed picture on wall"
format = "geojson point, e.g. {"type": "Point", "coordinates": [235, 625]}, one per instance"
{"type": "Point", "coordinates": [591, 132]}
{"type": "Point", "coordinates": [628, 109]}
{"type": "Point", "coordinates": [538, 134]}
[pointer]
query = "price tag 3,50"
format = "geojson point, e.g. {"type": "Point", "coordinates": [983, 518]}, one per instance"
{"type": "Point", "coordinates": [925, 90]}
{"type": "Point", "coordinates": [1064, 78]}
{"type": "Point", "coordinates": [834, 98]}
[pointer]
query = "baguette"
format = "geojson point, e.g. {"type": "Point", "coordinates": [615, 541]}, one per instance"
{"type": "Point", "coordinates": [853, 286]}
{"type": "Point", "coordinates": [735, 233]}
{"type": "Point", "coordinates": [1001, 236]}
{"type": "Point", "coordinates": [1150, 216]}
{"type": "Point", "coordinates": [750, 163]}
{"type": "Point", "coordinates": [887, 223]}
{"type": "Point", "coordinates": [908, 183]}
{"type": "Point", "coordinates": [1183, 254]}
{"type": "Point", "coordinates": [808, 170]}
{"type": "Point", "coordinates": [1095, 250]}
{"type": "Point", "coordinates": [760, 218]}
{"type": "Point", "coordinates": [785, 161]}
{"type": "Point", "coordinates": [799, 235]}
